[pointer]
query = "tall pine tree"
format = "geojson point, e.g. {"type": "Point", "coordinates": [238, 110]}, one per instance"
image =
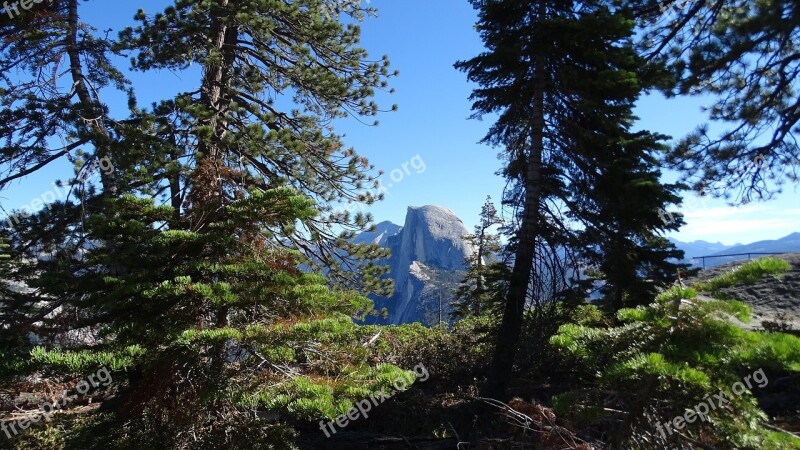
{"type": "Point", "coordinates": [185, 270]}
{"type": "Point", "coordinates": [554, 71]}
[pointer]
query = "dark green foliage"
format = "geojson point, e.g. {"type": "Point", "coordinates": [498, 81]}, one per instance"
{"type": "Point", "coordinates": [181, 270]}
{"type": "Point", "coordinates": [453, 357]}
{"type": "Point", "coordinates": [217, 321]}
{"type": "Point", "coordinates": [616, 192]}
{"type": "Point", "coordinates": [622, 209]}
{"type": "Point", "coordinates": [563, 78]}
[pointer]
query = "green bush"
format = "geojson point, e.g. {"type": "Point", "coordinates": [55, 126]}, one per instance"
{"type": "Point", "coordinates": [661, 362]}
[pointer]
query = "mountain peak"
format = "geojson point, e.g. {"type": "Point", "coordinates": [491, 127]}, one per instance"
{"type": "Point", "coordinates": [434, 235]}
{"type": "Point", "coordinates": [432, 208]}
{"type": "Point", "coordinates": [427, 256]}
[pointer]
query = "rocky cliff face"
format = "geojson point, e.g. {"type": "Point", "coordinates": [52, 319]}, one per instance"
{"type": "Point", "coordinates": [427, 263]}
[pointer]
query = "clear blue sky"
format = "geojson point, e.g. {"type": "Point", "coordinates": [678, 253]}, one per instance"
{"type": "Point", "coordinates": [423, 39]}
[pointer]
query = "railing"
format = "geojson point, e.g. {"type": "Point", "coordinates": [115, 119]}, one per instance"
{"type": "Point", "coordinates": [703, 258]}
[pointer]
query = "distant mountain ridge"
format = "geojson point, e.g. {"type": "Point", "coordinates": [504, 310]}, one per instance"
{"type": "Point", "coordinates": [699, 248]}
{"type": "Point", "coordinates": [786, 244]}
{"type": "Point", "coordinates": [383, 231]}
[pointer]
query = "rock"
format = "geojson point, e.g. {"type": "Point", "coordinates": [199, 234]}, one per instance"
{"type": "Point", "coordinates": [427, 263]}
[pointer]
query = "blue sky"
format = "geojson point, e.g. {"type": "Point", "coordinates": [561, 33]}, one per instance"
{"type": "Point", "coordinates": [423, 39]}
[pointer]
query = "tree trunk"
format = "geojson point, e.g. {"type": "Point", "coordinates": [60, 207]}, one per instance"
{"type": "Point", "coordinates": [176, 197]}
{"type": "Point", "coordinates": [91, 109]}
{"type": "Point", "coordinates": [207, 196]}
{"type": "Point", "coordinates": [479, 281]}
{"type": "Point", "coordinates": [207, 191]}
{"type": "Point", "coordinates": [508, 335]}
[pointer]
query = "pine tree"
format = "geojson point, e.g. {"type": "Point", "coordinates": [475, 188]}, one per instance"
{"type": "Point", "coordinates": [623, 241]}
{"type": "Point", "coordinates": [252, 59]}
{"type": "Point", "coordinates": [200, 319]}
{"type": "Point", "coordinates": [619, 202]}
{"type": "Point", "coordinates": [477, 290]}
{"type": "Point", "coordinates": [513, 79]}
{"type": "Point", "coordinates": [152, 152]}
{"type": "Point", "coordinates": [554, 71]}
{"type": "Point", "coordinates": [184, 271]}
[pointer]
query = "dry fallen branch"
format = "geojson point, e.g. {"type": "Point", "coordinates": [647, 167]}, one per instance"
{"type": "Point", "coordinates": [538, 419]}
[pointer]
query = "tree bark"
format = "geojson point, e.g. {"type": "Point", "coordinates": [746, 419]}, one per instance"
{"type": "Point", "coordinates": [479, 281]}
{"type": "Point", "coordinates": [206, 193]}
{"type": "Point", "coordinates": [508, 335]}
{"type": "Point", "coordinates": [92, 111]}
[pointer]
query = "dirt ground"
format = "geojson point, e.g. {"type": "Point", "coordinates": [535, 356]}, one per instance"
{"type": "Point", "coordinates": [773, 299]}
